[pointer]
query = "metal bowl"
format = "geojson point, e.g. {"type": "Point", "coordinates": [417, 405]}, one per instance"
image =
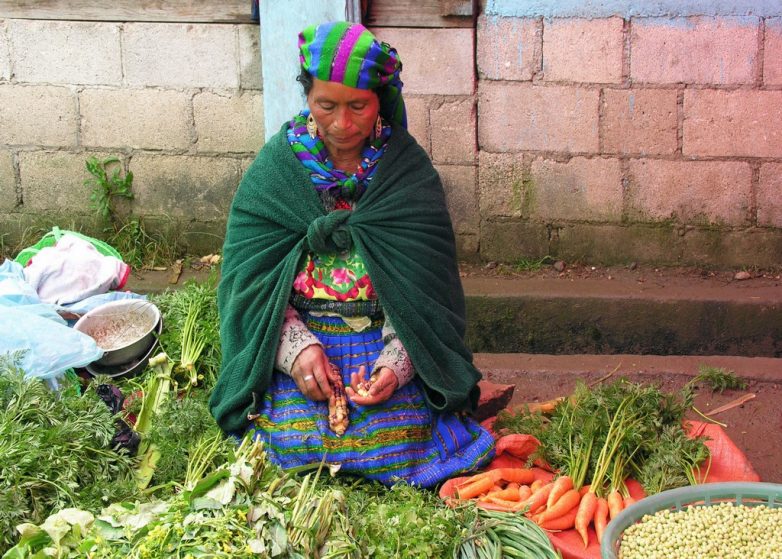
{"type": "Point", "coordinates": [124, 329]}
{"type": "Point", "coordinates": [131, 368]}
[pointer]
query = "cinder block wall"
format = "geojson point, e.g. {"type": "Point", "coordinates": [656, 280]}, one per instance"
{"type": "Point", "coordinates": [630, 138]}
{"type": "Point", "coordinates": [606, 136]}
{"type": "Point", "coordinates": [180, 103]}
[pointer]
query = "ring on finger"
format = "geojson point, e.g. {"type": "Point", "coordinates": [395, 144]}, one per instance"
{"type": "Point", "coordinates": [306, 378]}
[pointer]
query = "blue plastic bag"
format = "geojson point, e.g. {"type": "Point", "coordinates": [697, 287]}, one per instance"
{"type": "Point", "coordinates": [48, 348]}
{"type": "Point", "coordinates": [34, 330]}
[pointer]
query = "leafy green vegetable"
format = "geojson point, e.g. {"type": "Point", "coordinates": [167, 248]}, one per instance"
{"type": "Point", "coordinates": [401, 521]}
{"type": "Point", "coordinates": [55, 451]}
{"type": "Point", "coordinates": [499, 535]}
{"type": "Point", "coordinates": [603, 435]}
{"type": "Point", "coordinates": [180, 431]}
{"type": "Point", "coordinates": [199, 299]}
{"type": "Point", "coordinates": [718, 379]}
{"type": "Point", "coordinates": [247, 508]}
{"type": "Point", "coordinates": [156, 391]}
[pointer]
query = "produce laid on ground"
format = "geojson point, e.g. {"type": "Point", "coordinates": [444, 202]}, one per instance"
{"type": "Point", "coordinates": [137, 468]}
{"type": "Point", "coordinates": [595, 440]}
{"type": "Point", "coordinates": [592, 454]}
{"type": "Point", "coordinates": [177, 487]}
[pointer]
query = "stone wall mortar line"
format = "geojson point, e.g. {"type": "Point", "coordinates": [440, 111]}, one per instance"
{"type": "Point", "coordinates": [79, 117]}
{"type": "Point", "coordinates": [537, 52]}
{"type": "Point", "coordinates": [123, 78]}
{"type": "Point", "coordinates": [11, 53]}
{"type": "Point", "coordinates": [753, 193]}
{"type": "Point", "coordinates": [760, 69]}
{"type": "Point", "coordinates": [601, 120]}
{"type": "Point", "coordinates": [238, 59]}
{"type": "Point", "coordinates": [680, 123]}
{"type": "Point", "coordinates": [4, 30]}
{"type": "Point", "coordinates": [624, 173]}
{"type": "Point", "coordinates": [638, 85]}
{"type": "Point", "coordinates": [17, 180]}
{"type": "Point", "coordinates": [192, 129]}
{"type": "Point", "coordinates": [626, 52]}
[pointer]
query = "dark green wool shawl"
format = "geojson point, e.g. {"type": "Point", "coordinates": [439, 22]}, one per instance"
{"type": "Point", "coordinates": [401, 229]}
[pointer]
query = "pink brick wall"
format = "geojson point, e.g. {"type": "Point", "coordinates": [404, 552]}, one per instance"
{"type": "Point", "coordinates": [638, 121]}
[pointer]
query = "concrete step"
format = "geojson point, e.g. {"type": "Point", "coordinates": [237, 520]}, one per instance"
{"type": "Point", "coordinates": [688, 316]}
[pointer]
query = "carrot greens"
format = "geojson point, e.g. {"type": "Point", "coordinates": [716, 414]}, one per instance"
{"type": "Point", "coordinates": [603, 435]}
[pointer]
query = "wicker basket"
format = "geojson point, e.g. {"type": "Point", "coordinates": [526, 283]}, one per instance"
{"type": "Point", "coordinates": [707, 494]}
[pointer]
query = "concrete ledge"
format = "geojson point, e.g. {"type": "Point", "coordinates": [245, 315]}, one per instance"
{"type": "Point", "coordinates": [554, 316]}
{"type": "Point", "coordinates": [604, 317]}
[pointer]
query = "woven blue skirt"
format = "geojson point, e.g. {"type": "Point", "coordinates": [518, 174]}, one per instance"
{"type": "Point", "coordinates": [400, 439]}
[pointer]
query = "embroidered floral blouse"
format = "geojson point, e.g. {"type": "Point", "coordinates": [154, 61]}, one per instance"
{"type": "Point", "coordinates": [337, 277]}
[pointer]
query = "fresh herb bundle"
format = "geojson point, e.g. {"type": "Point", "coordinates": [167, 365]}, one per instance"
{"type": "Point", "coordinates": [202, 331]}
{"type": "Point", "coordinates": [55, 452]}
{"type": "Point", "coordinates": [603, 435]}
{"type": "Point", "coordinates": [246, 508]}
{"type": "Point", "coordinates": [181, 431]}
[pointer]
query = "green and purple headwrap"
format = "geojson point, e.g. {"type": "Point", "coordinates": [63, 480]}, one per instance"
{"type": "Point", "coordinates": [349, 54]}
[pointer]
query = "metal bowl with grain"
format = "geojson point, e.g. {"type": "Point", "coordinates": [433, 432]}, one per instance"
{"type": "Point", "coordinates": [123, 329]}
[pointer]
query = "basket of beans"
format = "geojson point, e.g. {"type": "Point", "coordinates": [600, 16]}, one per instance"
{"type": "Point", "coordinates": [712, 520]}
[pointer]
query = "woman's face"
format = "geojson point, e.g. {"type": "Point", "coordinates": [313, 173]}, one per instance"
{"type": "Point", "coordinates": [345, 115]}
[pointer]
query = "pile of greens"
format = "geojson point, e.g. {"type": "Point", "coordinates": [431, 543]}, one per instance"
{"type": "Point", "coordinates": [247, 508]}
{"type": "Point", "coordinates": [182, 430]}
{"type": "Point", "coordinates": [401, 521]}
{"type": "Point", "coordinates": [55, 451]}
{"type": "Point", "coordinates": [607, 434]}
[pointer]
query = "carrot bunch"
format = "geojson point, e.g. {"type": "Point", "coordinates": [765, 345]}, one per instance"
{"type": "Point", "coordinates": [555, 505]}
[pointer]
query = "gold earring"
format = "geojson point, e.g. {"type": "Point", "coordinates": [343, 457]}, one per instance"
{"type": "Point", "coordinates": [312, 126]}
{"type": "Point", "coordinates": [378, 126]}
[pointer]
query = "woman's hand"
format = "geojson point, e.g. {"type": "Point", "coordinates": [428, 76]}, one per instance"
{"type": "Point", "coordinates": [310, 373]}
{"type": "Point", "coordinates": [381, 389]}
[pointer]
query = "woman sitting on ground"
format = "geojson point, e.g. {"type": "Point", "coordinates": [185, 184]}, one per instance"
{"type": "Point", "coordinates": [341, 308]}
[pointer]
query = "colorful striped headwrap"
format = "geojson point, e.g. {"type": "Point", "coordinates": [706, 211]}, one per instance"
{"type": "Point", "coordinates": [347, 53]}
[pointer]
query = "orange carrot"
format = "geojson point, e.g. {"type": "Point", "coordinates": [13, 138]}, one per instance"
{"type": "Point", "coordinates": [584, 489]}
{"type": "Point", "coordinates": [510, 493]}
{"type": "Point", "coordinates": [524, 492]}
{"type": "Point", "coordinates": [628, 501]}
{"type": "Point", "coordinates": [601, 518]}
{"type": "Point", "coordinates": [562, 523]}
{"type": "Point", "coordinates": [615, 503]}
{"type": "Point", "coordinates": [508, 504]}
{"type": "Point", "coordinates": [586, 511]}
{"type": "Point", "coordinates": [562, 485]}
{"type": "Point", "coordinates": [562, 506]}
{"type": "Point", "coordinates": [519, 475]}
{"type": "Point", "coordinates": [538, 498]}
{"type": "Point", "coordinates": [473, 478]}
{"type": "Point", "coordinates": [537, 484]}
{"type": "Point", "coordinates": [474, 489]}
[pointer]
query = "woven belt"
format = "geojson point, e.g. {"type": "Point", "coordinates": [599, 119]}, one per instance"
{"type": "Point", "coordinates": [344, 308]}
